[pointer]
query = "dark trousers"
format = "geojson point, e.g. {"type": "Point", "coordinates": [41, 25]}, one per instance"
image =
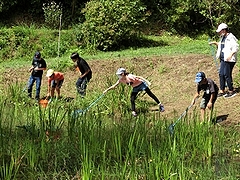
{"type": "Point", "coordinates": [134, 96]}
{"type": "Point", "coordinates": [225, 75]}
{"type": "Point", "coordinates": [81, 86]}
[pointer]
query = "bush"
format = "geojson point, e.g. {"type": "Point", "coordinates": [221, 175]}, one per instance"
{"type": "Point", "coordinates": [107, 22]}
{"type": "Point", "coordinates": [23, 41]}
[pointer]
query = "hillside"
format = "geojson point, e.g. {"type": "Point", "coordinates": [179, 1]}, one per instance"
{"type": "Point", "coordinates": [172, 80]}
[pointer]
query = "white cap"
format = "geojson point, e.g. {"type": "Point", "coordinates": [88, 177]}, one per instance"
{"type": "Point", "coordinates": [120, 71]}
{"type": "Point", "coordinates": [50, 72]}
{"type": "Point", "coordinates": [221, 27]}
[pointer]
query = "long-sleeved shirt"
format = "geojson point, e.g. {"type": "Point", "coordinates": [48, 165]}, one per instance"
{"type": "Point", "coordinates": [231, 46]}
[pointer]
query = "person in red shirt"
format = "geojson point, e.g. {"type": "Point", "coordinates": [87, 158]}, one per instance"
{"type": "Point", "coordinates": [55, 81]}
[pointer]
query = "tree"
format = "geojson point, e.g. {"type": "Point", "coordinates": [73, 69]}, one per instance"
{"type": "Point", "coordinates": [108, 22]}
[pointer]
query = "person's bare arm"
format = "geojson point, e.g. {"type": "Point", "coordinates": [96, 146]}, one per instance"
{"type": "Point", "coordinates": [83, 75]}
{"type": "Point", "coordinates": [140, 77]}
{"type": "Point", "coordinates": [195, 98]}
{"type": "Point", "coordinates": [210, 102]}
{"type": "Point", "coordinates": [111, 87]}
{"type": "Point", "coordinates": [37, 68]}
{"type": "Point", "coordinates": [213, 42]}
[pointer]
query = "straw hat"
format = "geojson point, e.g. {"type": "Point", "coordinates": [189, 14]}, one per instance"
{"type": "Point", "coordinates": [50, 72]}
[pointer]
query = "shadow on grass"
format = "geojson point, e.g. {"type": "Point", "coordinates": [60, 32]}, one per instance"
{"type": "Point", "coordinates": [237, 89]}
{"type": "Point", "coordinates": [220, 118]}
{"type": "Point", "coordinates": [137, 42]}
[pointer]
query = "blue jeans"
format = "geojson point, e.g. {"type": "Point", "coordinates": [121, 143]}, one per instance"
{"type": "Point", "coordinates": [81, 86]}
{"type": "Point", "coordinates": [31, 81]}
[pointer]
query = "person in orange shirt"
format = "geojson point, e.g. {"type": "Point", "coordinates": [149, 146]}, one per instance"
{"type": "Point", "coordinates": [55, 81]}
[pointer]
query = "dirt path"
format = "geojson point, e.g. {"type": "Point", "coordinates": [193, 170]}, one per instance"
{"type": "Point", "coordinates": [172, 80]}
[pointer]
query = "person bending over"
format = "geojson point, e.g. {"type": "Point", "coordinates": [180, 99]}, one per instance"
{"type": "Point", "coordinates": [138, 83]}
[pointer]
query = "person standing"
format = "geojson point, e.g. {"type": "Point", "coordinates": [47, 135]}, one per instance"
{"type": "Point", "coordinates": [38, 66]}
{"type": "Point", "coordinates": [227, 49]}
{"type": "Point", "coordinates": [138, 83]}
{"type": "Point", "coordinates": [55, 81]}
{"type": "Point", "coordinates": [85, 73]}
{"type": "Point", "coordinates": [210, 93]}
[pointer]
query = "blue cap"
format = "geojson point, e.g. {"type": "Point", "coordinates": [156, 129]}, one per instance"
{"type": "Point", "coordinates": [37, 55]}
{"type": "Point", "coordinates": [199, 77]}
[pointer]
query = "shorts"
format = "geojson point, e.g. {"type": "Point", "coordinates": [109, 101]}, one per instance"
{"type": "Point", "coordinates": [140, 87]}
{"type": "Point", "coordinates": [204, 102]}
{"type": "Point", "coordinates": [54, 84]}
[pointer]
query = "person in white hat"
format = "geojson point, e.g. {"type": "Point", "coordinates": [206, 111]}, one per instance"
{"type": "Point", "coordinates": [138, 83]}
{"type": "Point", "coordinates": [227, 49]}
{"type": "Point", "coordinates": [55, 81]}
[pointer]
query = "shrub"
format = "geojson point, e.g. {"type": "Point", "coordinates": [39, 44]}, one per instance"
{"type": "Point", "coordinates": [108, 22]}
{"type": "Point", "coordinates": [23, 41]}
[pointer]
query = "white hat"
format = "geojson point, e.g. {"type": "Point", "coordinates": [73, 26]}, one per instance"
{"type": "Point", "coordinates": [120, 71]}
{"type": "Point", "coordinates": [50, 72]}
{"type": "Point", "coordinates": [221, 27]}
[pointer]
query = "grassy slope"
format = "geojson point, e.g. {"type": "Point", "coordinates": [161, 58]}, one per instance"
{"type": "Point", "coordinates": [168, 66]}
{"type": "Point", "coordinates": [173, 45]}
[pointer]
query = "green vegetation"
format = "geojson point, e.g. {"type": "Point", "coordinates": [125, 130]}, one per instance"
{"type": "Point", "coordinates": [108, 143]}
{"type": "Point", "coordinates": [183, 17]}
{"type": "Point", "coordinates": [109, 24]}
{"type": "Point", "coordinates": [20, 42]}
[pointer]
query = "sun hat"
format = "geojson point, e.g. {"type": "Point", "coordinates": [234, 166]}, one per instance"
{"type": "Point", "coordinates": [120, 71]}
{"type": "Point", "coordinates": [221, 27]}
{"type": "Point", "coordinates": [50, 72]}
{"type": "Point", "coordinates": [199, 77]}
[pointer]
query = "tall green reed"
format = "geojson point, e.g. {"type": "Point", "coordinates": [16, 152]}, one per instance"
{"type": "Point", "coordinates": [106, 142]}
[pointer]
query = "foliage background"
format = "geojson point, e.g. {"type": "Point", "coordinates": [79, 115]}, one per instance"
{"type": "Point", "coordinates": [104, 25]}
{"type": "Point", "coordinates": [173, 15]}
